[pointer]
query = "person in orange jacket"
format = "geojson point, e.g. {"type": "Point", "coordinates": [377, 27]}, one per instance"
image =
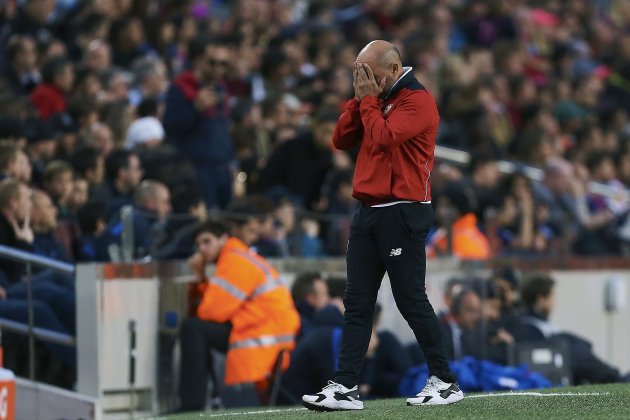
{"type": "Point", "coordinates": [468, 242]}
{"type": "Point", "coordinates": [243, 310]}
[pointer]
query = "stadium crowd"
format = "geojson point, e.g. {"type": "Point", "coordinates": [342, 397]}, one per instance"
{"type": "Point", "coordinates": [173, 106]}
{"type": "Point", "coordinates": [194, 109]}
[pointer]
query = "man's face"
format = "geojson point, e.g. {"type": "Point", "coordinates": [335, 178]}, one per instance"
{"type": "Point", "coordinates": [470, 312]}
{"type": "Point", "coordinates": [209, 245]}
{"type": "Point", "coordinates": [26, 58]}
{"type": "Point", "coordinates": [162, 203]}
{"type": "Point", "coordinates": [248, 232]}
{"type": "Point", "coordinates": [79, 193]}
{"type": "Point", "coordinates": [23, 204]}
{"type": "Point", "coordinates": [44, 213]}
{"type": "Point", "coordinates": [320, 296]}
{"type": "Point", "coordinates": [65, 79]}
{"type": "Point", "coordinates": [546, 304]}
{"type": "Point", "coordinates": [132, 174]}
{"type": "Point", "coordinates": [60, 187]}
{"type": "Point", "coordinates": [215, 64]}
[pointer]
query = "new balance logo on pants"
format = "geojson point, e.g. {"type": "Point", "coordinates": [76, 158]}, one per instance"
{"type": "Point", "coordinates": [395, 252]}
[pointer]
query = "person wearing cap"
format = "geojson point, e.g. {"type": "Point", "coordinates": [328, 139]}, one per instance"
{"type": "Point", "coordinates": [146, 132]}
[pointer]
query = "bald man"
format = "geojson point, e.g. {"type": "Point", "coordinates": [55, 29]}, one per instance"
{"type": "Point", "coordinates": [395, 121]}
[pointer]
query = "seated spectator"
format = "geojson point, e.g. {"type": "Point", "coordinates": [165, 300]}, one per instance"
{"type": "Point", "coordinates": [146, 132]}
{"type": "Point", "coordinates": [58, 183]}
{"type": "Point", "coordinates": [299, 166]}
{"type": "Point", "coordinates": [331, 315]}
{"type": "Point", "coordinates": [89, 164]}
{"type": "Point", "coordinates": [310, 293]}
{"type": "Point", "coordinates": [455, 209]}
{"type": "Point", "coordinates": [43, 223]}
{"type": "Point", "coordinates": [523, 223]}
{"type": "Point", "coordinates": [49, 98]}
{"type": "Point", "coordinates": [496, 341]}
{"type": "Point", "coordinates": [151, 206]}
{"type": "Point", "coordinates": [176, 241]}
{"type": "Point", "coordinates": [16, 232]}
{"type": "Point", "coordinates": [460, 324]}
{"type": "Point", "coordinates": [123, 173]}
{"type": "Point", "coordinates": [538, 297]}
{"type": "Point", "coordinates": [254, 304]}
{"type": "Point", "coordinates": [22, 73]}
{"type": "Point", "coordinates": [91, 220]}
{"type": "Point", "coordinates": [505, 280]}
{"type": "Point", "coordinates": [41, 147]}
{"type": "Point", "coordinates": [13, 162]}
{"type": "Point", "coordinates": [80, 195]}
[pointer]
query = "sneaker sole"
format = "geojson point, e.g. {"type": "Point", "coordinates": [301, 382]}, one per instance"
{"type": "Point", "coordinates": [322, 408]}
{"type": "Point", "coordinates": [452, 399]}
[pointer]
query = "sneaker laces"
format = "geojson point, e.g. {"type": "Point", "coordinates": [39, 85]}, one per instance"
{"type": "Point", "coordinates": [432, 384]}
{"type": "Point", "coordinates": [331, 384]}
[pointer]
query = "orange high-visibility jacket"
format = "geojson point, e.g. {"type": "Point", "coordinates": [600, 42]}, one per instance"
{"type": "Point", "coordinates": [246, 291]}
{"type": "Point", "coordinates": [468, 242]}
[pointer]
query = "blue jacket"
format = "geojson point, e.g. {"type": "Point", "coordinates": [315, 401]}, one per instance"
{"type": "Point", "coordinates": [203, 137]}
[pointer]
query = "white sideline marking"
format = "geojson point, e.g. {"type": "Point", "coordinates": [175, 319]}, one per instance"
{"type": "Point", "coordinates": [539, 394]}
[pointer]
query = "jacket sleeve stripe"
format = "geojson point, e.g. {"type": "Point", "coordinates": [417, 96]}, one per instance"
{"type": "Point", "coordinates": [262, 341]}
{"type": "Point", "coordinates": [269, 285]}
{"type": "Point", "coordinates": [228, 287]}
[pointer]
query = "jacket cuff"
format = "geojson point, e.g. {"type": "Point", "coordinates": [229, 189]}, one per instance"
{"type": "Point", "coordinates": [353, 105]}
{"type": "Point", "coordinates": [369, 100]}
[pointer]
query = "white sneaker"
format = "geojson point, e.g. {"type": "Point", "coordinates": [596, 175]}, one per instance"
{"type": "Point", "coordinates": [437, 392]}
{"type": "Point", "coordinates": [334, 397]}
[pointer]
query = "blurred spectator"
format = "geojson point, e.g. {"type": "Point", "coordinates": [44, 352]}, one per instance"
{"type": "Point", "coordinates": [14, 163]}
{"type": "Point", "coordinates": [100, 136]}
{"type": "Point", "coordinates": [58, 183]}
{"type": "Point", "coordinates": [41, 148]}
{"type": "Point", "coordinates": [123, 173]}
{"type": "Point", "coordinates": [196, 119]}
{"type": "Point", "coordinates": [460, 325]}
{"type": "Point", "coordinates": [146, 132]}
{"type": "Point", "coordinates": [538, 295]}
{"type": "Point", "coordinates": [299, 166]}
{"type": "Point", "coordinates": [34, 18]}
{"type": "Point", "coordinates": [484, 180]}
{"type": "Point", "coordinates": [15, 227]}
{"type": "Point", "coordinates": [459, 233]}
{"type": "Point", "coordinates": [331, 314]}
{"type": "Point", "coordinates": [97, 56]}
{"type": "Point", "coordinates": [44, 222]}
{"type": "Point", "coordinates": [92, 223]}
{"type": "Point", "coordinates": [524, 224]}
{"type": "Point", "coordinates": [49, 98]}
{"type": "Point", "coordinates": [80, 195]}
{"type": "Point", "coordinates": [310, 293]}
{"type": "Point", "coordinates": [151, 80]}
{"type": "Point", "coordinates": [22, 73]}
{"type": "Point", "coordinates": [150, 207]}
{"type": "Point", "coordinates": [176, 240]}
{"type": "Point", "coordinates": [89, 164]}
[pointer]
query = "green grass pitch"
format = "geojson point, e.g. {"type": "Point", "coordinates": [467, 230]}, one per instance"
{"type": "Point", "coordinates": [581, 402]}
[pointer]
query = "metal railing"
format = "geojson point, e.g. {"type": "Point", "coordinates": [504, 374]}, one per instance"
{"type": "Point", "coordinates": [30, 260]}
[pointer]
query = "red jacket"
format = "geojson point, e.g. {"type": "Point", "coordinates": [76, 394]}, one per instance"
{"type": "Point", "coordinates": [398, 140]}
{"type": "Point", "coordinates": [48, 100]}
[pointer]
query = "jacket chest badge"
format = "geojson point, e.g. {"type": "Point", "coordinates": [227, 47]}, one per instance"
{"type": "Point", "coordinates": [387, 109]}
